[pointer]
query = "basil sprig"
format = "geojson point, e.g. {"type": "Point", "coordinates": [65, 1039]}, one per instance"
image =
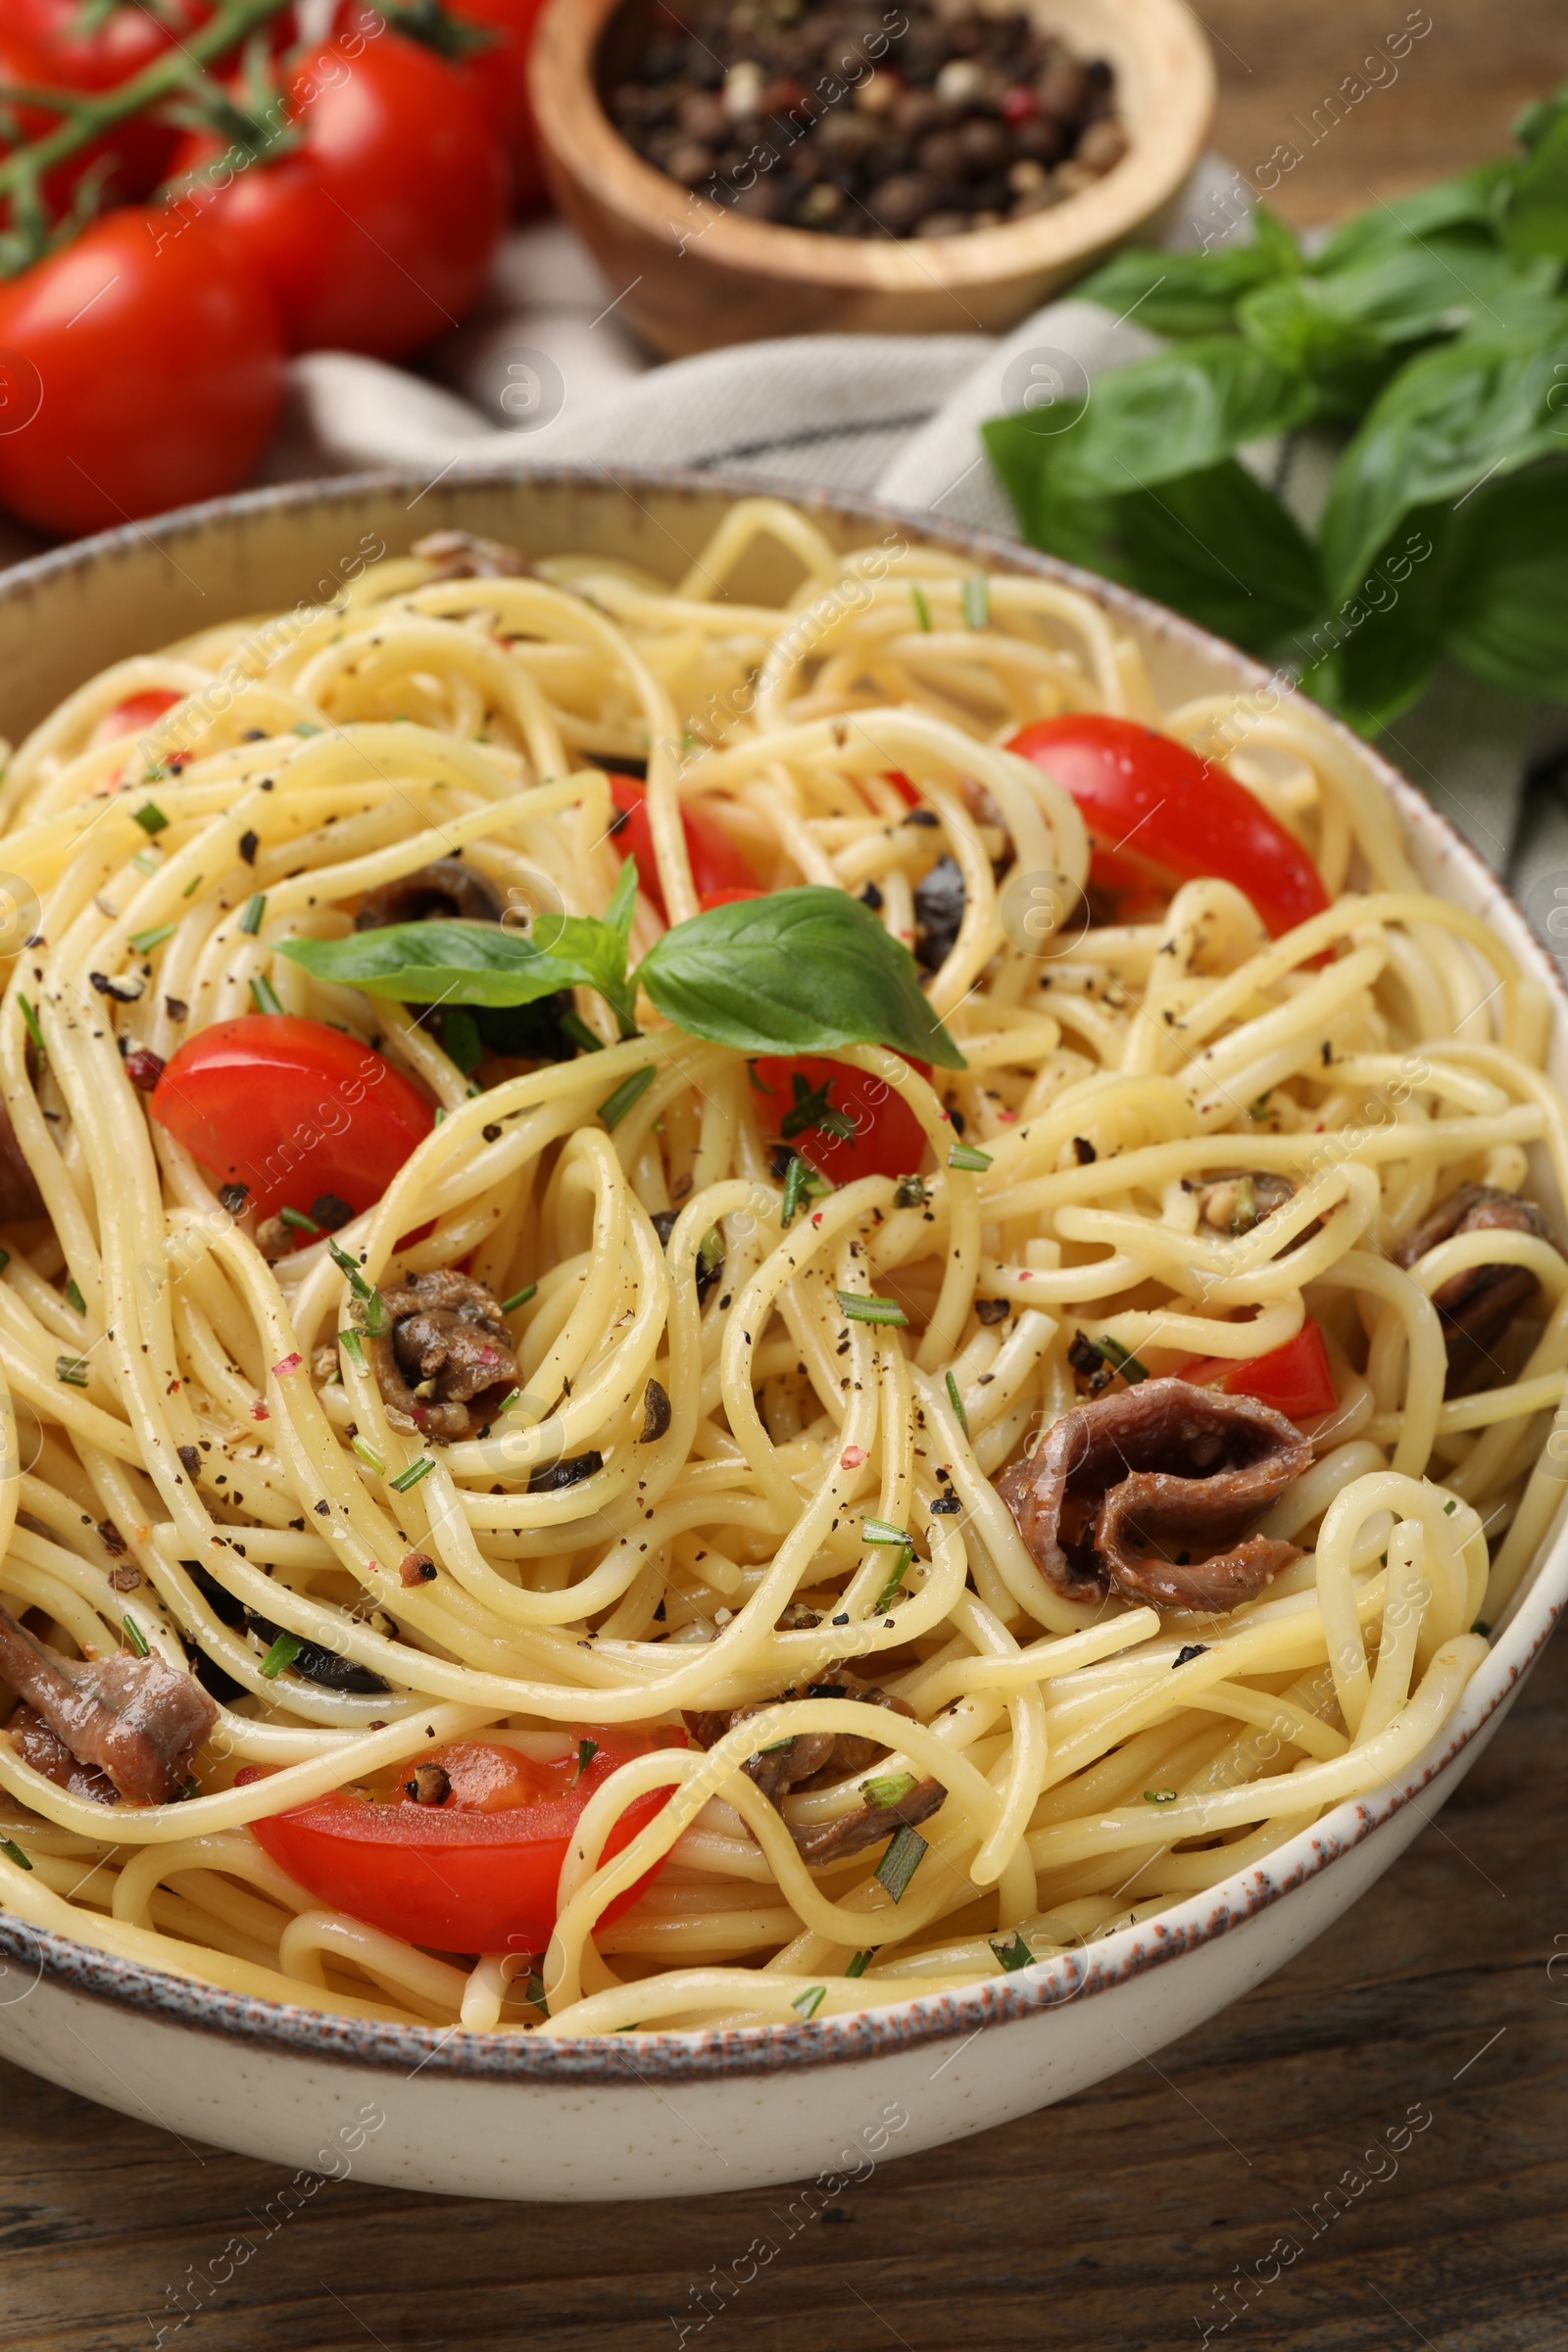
{"type": "Point", "coordinates": [798, 972]}
{"type": "Point", "coordinates": [1428, 340]}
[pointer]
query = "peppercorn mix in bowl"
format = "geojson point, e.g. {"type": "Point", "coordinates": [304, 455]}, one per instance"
{"type": "Point", "coordinates": [775, 166]}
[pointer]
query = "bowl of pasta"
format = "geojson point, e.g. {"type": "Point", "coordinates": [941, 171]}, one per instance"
{"type": "Point", "coordinates": [782, 1329]}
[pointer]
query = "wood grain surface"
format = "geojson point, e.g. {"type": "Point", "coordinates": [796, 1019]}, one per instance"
{"type": "Point", "coordinates": [1113, 2221]}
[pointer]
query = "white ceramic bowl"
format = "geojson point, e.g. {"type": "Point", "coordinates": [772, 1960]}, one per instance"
{"type": "Point", "coordinates": [626, 2117]}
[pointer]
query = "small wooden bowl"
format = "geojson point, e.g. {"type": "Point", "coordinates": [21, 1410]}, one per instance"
{"type": "Point", "coordinates": [695, 275]}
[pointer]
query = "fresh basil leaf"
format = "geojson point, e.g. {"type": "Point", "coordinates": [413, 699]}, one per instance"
{"type": "Point", "coordinates": [1074, 528]}
{"type": "Point", "coordinates": [1218, 547]}
{"type": "Point", "coordinates": [1193, 293]}
{"type": "Point", "coordinates": [437, 962]}
{"type": "Point", "coordinates": [1535, 217]}
{"type": "Point", "coordinates": [1184, 410]}
{"type": "Point", "coordinates": [1294, 323]}
{"type": "Point", "coordinates": [1371, 657]}
{"type": "Point", "coordinates": [1531, 123]}
{"type": "Point", "coordinates": [1450, 420]}
{"type": "Point", "coordinates": [598, 946]}
{"type": "Point", "coordinates": [800, 971]}
{"type": "Point", "coordinates": [1505, 616]}
{"type": "Point", "coordinates": [1463, 202]}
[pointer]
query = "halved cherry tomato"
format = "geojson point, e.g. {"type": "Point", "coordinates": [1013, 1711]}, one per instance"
{"type": "Point", "coordinates": [136, 714]}
{"type": "Point", "coordinates": [888, 1139]}
{"type": "Point", "coordinates": [716, 864]}
{"type": "Point", "coordinates": [1159, 816]}
{"type": "Point", "coordinates": [1296, 1378]}
{"type": "Point", "coordinates": [292, 1110]}
{"type": "Point", "coordinates": [478, 1873]}
{"type": "Point", "coordinates": [903, 788]}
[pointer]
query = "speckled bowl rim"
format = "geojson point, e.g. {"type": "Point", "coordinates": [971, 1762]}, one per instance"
{"type": "Point", "coordinates": [655, 2058]}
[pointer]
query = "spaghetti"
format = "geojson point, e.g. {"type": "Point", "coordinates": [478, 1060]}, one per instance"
{"type": "Point", "coordinates": [738, 1507]}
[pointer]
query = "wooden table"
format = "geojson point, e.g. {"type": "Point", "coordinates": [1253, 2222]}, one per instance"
{"type": "Point", "coordinates": [1113, 2221]}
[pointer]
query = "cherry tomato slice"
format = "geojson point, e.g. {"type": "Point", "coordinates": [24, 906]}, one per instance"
{"type": "Point", "coordinates": [716, 864]}
{"type": "Point", "coordinates": [1296, 1378]}
{"type": "Point", "coordinates": [795, 1091]}
{"type": "Point", "coordinates": [136, 714]}
{"type": "Point", "coordinates": [1158, 812]}
{"type": "Point", "coordinates": [291, 1109]}
{"type": "Point", "coordinates": [478, 1873]}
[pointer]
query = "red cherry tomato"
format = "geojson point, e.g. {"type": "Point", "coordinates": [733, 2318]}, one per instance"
{"type": "Point", "coordinates": [134, 716]}
{"type": "Point", "coordinates": [1158, 814]}
{"type": "Point", "coordinates": [717, 865]}
{"type": "Point", "coordinates": [291, 1109]}
{"type": "Point", "coordinates": [144, 377]}
{"type": "Point", "coordinates": [478, 1873]}
{"type": "Point", "coordinates": [1296, 1378]}
{"type": "Point", "coordinates": [375, 232]}
{"type": "Point", "coordinates": [888, 1139]}
{"type": "Point", "coordinates": [500, 76]}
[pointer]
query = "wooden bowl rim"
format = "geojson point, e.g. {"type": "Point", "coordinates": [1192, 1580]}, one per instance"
{"type": "Point", "coordinates": [581, 140]}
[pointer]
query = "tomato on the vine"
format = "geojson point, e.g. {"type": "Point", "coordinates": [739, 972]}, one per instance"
{"type": "Point", "coordinates": [133, 378]}
{"type": "Point", "coordinates": [500, 77]}
{"type": "Point", "coordinates": [376, 230]}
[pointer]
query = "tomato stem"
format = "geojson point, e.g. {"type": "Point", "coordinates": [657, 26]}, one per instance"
{"type": "Point", "coordinates": [85, 117]}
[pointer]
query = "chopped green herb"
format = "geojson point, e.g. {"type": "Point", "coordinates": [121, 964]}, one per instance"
{"type": "Point", "coordinates": [266, 994]}
{"type": "Point", "coordinates": [1013, 1955]}
{"type": "Point", "coordinates": [977, 602]}
{"type": "Point", "coordinates": [964, 1156]}
{"type": "Point", "coordinates": [147, 862]}
{"type": "Point", "coordinates": [887, 1787]}
{"type": "Point", "coordinates": [883, 1530]}
{"type": "Point", "coordinates": [191, 1787]}
{"type": "Point", "coordinates": [587, 1749]}
{"type": "Point", "coordinates": [192, 887]}
{"type": "Point", "coordinates": [1127, 1365]}
{"type": "Point", "coordinates": [73, 1296]}
{"type": "Point", "coordinates": [860, 1962]}
{"type": "Point", "coordinates": [411, 1476]}
{"type": "Point", "coordinates": [956, 1403]}
{"type": "Point", "coordinates": [519, 1297]}
{"type": "Point", "coordinates": [33, 1030]}
{"type": "Point", "coordinates": [794, 1190]}
{"type": "Point", "coordinates": [297, 1221]}
{"type": "Point", "coordinates": [375, 1315]}
{"type": "Point", "coordinates": [353, 1348]}
{"type": "Point", "coordinates": [1160, 1796]}
{"type": "Point", "coordinates": [910, 1193]}
{"type": "Point", "coordinates": [573, 1025]}
{"type": "Point", "coordinates": [135, 1636]}
{"type": "Point", "coordinates": [251, 918]}
{"type": "Point", "coordinates": [890, 1591]}
{"type": "Point", "coordinates": [303, 728]}
{"type": "Point", "coordinates": [710, 1251]}
{"type": "Point", "coordinates": [440, 1114]}
{"type": "Point", "coordinates": [283, 1652]}
{"type": "Point", "coordinates": [535, 1993]}
{"type": "Point", "coordinates": [870, 1310]}
{"type": "Point", "coordinates": [459, 1034]}
{"type": "Point", "coordinates": [810, 2000]}
{"type": "Point", "coordinates": [144, 942]}
{"type": "Point", "coordinates": [368, 1453]}
{"type": "Point", "coordinates": [614, 1108]}
{"type": "Point", "coordinates": [900, 1863]}
{"type": "Point", "coordinates": [14, 1853]}
{"type": "Point", "coordinates": [73, 1370]}
{"type": "Point", "coordinates": [350, 1266]}
{"type": "Point", "coordinates": [150, 817]}
{"type": "Point", "coordinates": [922, 610]}
{"type": "Point", "coordinates": [1450, 1506]}
{"type": "Point", "coordinates": [813, 1110]}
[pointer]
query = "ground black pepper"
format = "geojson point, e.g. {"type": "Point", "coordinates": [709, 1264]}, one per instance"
{"type": "Point", "coordinates": [920, 119]}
